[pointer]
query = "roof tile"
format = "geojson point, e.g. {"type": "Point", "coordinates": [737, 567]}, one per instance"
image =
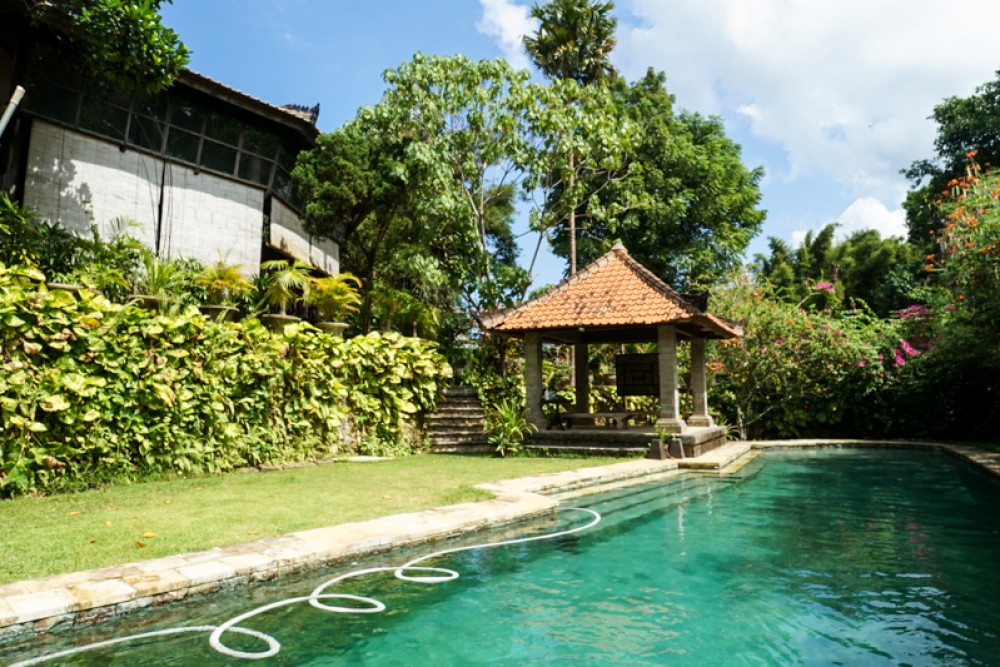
{"type": "Point", "coordinates": [615, 290]}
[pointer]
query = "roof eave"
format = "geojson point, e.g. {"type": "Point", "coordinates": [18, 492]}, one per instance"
{"type": "Point", "coordinates": [204, 84]}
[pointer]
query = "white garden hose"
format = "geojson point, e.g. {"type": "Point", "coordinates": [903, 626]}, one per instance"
{"type": "Point", "coordinates": [318, 598]}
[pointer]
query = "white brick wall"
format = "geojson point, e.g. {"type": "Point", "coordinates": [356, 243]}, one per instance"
{"type": "Point", "coordinates": [288, 236]}
{"type": "Point", "coordinates": [76, 180]}
{"type": "Point", "coordinates": [211, 218]}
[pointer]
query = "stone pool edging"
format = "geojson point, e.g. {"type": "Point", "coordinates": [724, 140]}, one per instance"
{"type": "Point", "coordinates": [38, 605]}
{"type": "Point", "coordinates": [981, 459]}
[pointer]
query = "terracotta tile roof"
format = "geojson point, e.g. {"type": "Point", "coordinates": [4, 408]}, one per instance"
{"type": "Point", "coordinates": [614, 291]}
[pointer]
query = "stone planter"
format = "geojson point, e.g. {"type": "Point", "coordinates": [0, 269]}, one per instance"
{"type": "Point", "coordinates": [276, 322]}
{"type": "Point", "coordinates": [72, 288]}
{"type": "Point", "coordinates": [333, 328]}
{"type": "Point", "coordinates": [671, 449]}
{"type": "Point", "coordinates": [146, 301]}
{"type": "Point", "coordinates": [218, 313]}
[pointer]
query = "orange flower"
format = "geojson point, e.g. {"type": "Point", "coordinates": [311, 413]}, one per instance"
{"type": "Point", "coordinates": [970, 154]}
{"type": "Point", "coordinates": [961, 297]}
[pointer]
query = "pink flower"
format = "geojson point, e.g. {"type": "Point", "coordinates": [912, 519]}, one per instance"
{"type": "Point", "coordinates": [824, 287]}
{"type": "Point", "coordinates": [908, 348]}
{"type": "Point", "coordinates": [913, 312]}
{"type": "Point", "coordinates": [862, 364]}
{"type": "Point", "coordinates": [900, 361]}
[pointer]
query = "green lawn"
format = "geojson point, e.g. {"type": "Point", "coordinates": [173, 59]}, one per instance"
{"type": "Point", "coordinates": [80, 531]}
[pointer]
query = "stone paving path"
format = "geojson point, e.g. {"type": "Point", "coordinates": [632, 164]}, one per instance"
{"type": "Point", "coordinates": [37, 605]}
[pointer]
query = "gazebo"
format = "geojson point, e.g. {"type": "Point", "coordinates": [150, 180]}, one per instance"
{"type": "Point", "coordinates": [617, 300]}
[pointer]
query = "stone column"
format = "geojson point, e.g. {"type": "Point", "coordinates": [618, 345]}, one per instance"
{"type": "Point", "coordinates": [670, 415]}
{"type": "Point", "coordinates": [699, 386]}
{"type": "Point", "coordinates": [533, 378]}
{"type": "Point", "coordinates": [582, 378]}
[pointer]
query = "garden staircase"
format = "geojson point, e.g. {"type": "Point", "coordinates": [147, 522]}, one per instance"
{"type": "Point", "coordinates": [457, 426]}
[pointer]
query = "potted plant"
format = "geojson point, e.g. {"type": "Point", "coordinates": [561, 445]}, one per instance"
{"type": "Point", "coordinates": [159, 282]}
{"type": "Point", "coordinates": [284, 280]}
{"type": "Point", "coordinates": [223, 284]}
{"type": "Point", "coordinates": [334, 297]}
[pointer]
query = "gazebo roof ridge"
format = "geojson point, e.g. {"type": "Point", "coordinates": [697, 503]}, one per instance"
{"type": "Point", "coordinates": [614, 292]}
{"type": "Point", "coordinates": [492, 318]}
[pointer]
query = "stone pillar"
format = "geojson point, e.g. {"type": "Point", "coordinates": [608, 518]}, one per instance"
{"type": "Point", "coordinates": [699, 386]}
{"type": "Point", "coordinates": [582, 377]}
{"type": "Point", "coordinates": [533, 378]}
{"type": "Point", "coordinates": [670, 415]}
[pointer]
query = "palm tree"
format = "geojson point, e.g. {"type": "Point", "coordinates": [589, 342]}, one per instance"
{"type": "Point", "coordinates": [573, 41]}
{"type": "Point", "coordinates": [285, 279]}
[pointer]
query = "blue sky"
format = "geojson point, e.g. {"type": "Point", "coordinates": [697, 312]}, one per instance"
{"type": "Point", "coordinates": [832, 98]}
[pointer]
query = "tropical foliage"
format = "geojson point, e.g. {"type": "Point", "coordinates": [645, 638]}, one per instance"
{"type": "Point", "coordinates": [333, 296]}
{"type": "Point", "coordinates": [93, 391]}
{"type": "Point", "coordinates": [124, 40]}
{"type": "Point", "coordinates": [864, 267]}
{"type": "Point", "coordinates": [799, 372]}
{"type": "Point", "coordinates": [574, 40]}
{"type": "Point", "coordinates": [965, 124]}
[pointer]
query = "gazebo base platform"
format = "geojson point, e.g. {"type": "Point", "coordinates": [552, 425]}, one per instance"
{"type": "Point", "coordinates": [604, 441]}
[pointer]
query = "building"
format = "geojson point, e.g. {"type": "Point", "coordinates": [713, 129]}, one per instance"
{"type": "Point", "coordinates": [202, 168]}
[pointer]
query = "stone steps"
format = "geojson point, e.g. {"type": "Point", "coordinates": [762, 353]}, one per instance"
{"type": "Point", "coordinates": [457, 426]}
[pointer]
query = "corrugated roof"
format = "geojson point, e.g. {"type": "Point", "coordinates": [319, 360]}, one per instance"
{"type": "Point", "coordinates": [287, 116]}
{"type": "Point", "coordinates": [615, 291]}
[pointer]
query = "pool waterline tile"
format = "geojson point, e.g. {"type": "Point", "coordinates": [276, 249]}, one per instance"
{"type": "Point", "coordinates": [37, 604]}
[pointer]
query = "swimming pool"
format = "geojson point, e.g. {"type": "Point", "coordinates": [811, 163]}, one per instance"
{"type": "Point", "coordinates": [803, 557]}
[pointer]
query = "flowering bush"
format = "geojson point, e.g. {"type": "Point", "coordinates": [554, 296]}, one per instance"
{"type": "Point", "coordinates": [952, 389]}
{"type": "Point", "coordinates": [799, 372]}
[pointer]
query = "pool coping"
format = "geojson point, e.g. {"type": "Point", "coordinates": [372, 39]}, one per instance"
{"type": "Point", "coordinates": [39, 605]}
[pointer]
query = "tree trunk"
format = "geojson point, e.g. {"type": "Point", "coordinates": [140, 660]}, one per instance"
{"type": "Point", "coordinates": [572, 218]}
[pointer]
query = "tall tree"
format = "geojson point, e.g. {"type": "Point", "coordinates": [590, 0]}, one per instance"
{"type": "Point", "coordinates": [864, 266]}
{"type": "Point", "coordinates": [965, 125]}
{"type": "Point", "coordinates": [421, 187]}
{"type": "Point", "coordinates": [468, 148]}
{"type": "Point", "coordinates": [694, 205]}
{"type": "Point", "coordinates": [124, 40]}
{"type": "Point", "coordinates": [355, 191]}
{"type": "Point", "coordinates": [593, 128]}
{"type": "Point", "coordinates": [574, 41]}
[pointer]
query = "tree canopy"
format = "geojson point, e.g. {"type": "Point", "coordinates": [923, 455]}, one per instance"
{"type": "Point", "coordinates": [689, 206]}
{"type": "Point", "coordinates": [864, 267]}
{"type": "Point", "coordinates": [574, 40]}
{"type": "Point", "coordinates": [125, 40]}
{"type": "Point", "coordinates": [969, 125]}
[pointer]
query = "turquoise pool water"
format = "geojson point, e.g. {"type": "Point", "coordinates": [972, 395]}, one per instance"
{"type": "Point", "coordinates": [811, 557]}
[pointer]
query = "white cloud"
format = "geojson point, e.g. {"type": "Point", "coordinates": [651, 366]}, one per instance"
{"type": "Point", "coordinates": [870, 213]}
{"type": "Point", "coordinates": [843, 89]}
{"type": "Point", "coordinates": [863, 213]}
{"type": "Point", "coordinates": [508, 22]}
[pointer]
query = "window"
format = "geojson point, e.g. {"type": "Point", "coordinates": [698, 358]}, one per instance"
{"type": "Point", "coordinates": [218, 157]}
{"type": "Point", "coordinates": [183, 145]}
{"type": "Point", "coordinates": [181, 125]}
{"type": "Point", "coordinates": [253, 168]}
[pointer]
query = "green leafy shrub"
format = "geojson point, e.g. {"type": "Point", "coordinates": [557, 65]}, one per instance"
{"type": "Point", "coordinates": [94, 391]}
